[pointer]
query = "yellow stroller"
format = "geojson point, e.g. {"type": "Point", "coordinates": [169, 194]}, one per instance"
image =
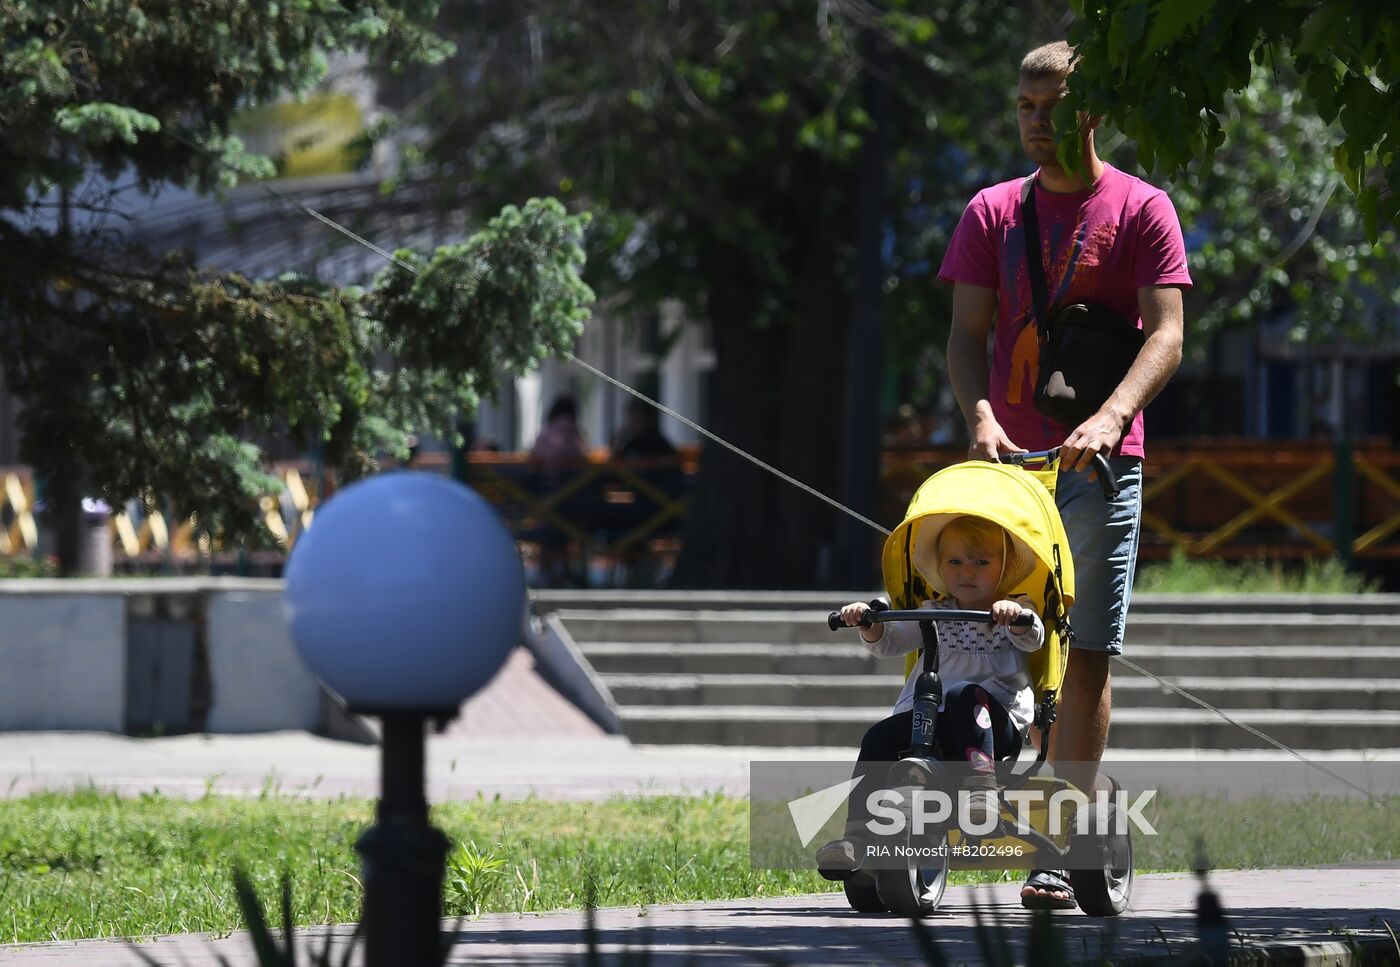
{"type": "Point", "coordinates": [1098, 850]}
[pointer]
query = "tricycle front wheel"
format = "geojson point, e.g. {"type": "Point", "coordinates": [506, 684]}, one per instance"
{"type": "Point", "coordinates": [862, 895]}
{"type": "Point", "coordinates": [917, 890]}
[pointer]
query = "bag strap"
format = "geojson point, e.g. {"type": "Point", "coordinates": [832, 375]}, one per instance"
{"type": "Point", "coordinates": [1035, 262]}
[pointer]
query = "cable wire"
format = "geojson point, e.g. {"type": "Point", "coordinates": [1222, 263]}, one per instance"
{"type": "Point", "coordinates": [805, 488]}
{"type": "Point", "coordinates": [614, 381]}
{"type": "Point", "coordinates": [1255, 732]}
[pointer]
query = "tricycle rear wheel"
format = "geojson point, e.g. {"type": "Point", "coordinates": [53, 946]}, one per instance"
{"type": "Point", "coordinates": [1105, 891]}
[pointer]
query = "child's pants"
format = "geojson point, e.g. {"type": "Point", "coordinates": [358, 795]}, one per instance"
{"type": "Point", "coordinates": [961, 736]}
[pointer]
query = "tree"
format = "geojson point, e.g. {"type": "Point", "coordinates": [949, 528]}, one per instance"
{"type": "Point", "coordinates": [1161, 70]}
{"type": "Point", "coordinates": [143, 373]}
{"type": "Point", "coordinates": [1259, 112]}
{"type": "Point", "coordinates": [1271, 232]}
{"type": "Point", "coordinates": [717, 144]}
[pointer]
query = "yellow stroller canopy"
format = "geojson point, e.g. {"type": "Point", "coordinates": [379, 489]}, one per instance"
{"type": "Point", "coordinates": [1022, 502]}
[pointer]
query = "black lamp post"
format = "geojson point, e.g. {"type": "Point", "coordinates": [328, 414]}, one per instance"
{"type": "Point", "coordinates": [405, 598]}
{"type": "Point", "coordinates": [402, 855]}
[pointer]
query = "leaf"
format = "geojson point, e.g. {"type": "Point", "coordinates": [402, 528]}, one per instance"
{"type": "Point", "coordinates": [1365, 110]}
{"type": "Point", "coordinates": [1320, 30]}
{"type": "Point", "coordinates": [1171, 18]}
{"type": "Point", "coordinates": [1321, 85]}
{"type": "Point", "coordinates": [1367, 201]}
{"type": "Point", "coordinates": [1118, 41]}
{"type": "Point", "coordinates": [268, 953]}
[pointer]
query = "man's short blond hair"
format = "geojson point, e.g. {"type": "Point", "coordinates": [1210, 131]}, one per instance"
{"type": "Point", "coordinates": [1050, 60]}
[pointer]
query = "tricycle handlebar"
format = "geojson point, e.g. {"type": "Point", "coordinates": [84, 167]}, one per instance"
{"type": "Point", "coordinates": [1108, 480]}
{"type": "Point", "coordinates": [882, 614]}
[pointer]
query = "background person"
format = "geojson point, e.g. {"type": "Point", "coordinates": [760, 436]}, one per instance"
{"type": "Point", "coordinates": [559, 441]}
{"type": "Point", "coordinates": [557, 452]}
{"type": "Point", "coordinates": [640, 436]}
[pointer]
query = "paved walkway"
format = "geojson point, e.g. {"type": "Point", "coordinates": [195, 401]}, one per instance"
{"type": "Point", "coordinates": [503, 744]}
{"type": "Point", "coordinates": [459, 766]}
{"type": "Point", "coordinates": [1317, 911]}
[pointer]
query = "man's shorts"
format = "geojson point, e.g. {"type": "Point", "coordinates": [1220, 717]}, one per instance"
{"type": "Point", "coordinates": [1103, 543]}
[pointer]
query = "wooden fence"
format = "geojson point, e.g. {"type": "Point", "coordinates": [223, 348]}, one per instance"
{"type": "Point", "coordinates": [1241, 498]}
{"type": "Point", "coordinates": [1222, 499]}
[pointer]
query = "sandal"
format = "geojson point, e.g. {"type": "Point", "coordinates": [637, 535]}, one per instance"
{"type": "Point", "coordinates": [1049, 880]}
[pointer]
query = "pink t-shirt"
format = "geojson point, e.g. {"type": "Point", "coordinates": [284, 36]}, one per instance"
{"type": "Point", "coordinates": [1099, 245]}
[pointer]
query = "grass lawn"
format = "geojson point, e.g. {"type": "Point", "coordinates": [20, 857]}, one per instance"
{"type": "Point", "coordinates": [1208, 576]}
{"type": "Point", "coordinates": [88, 864]}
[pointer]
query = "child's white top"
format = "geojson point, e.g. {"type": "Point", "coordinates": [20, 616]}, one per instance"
{"type": "Point", "coordinates": [990, 655]}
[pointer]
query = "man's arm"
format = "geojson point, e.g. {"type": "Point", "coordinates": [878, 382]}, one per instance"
{"type": "Point", "coordinates": [1162, 323]}
{"type": "Point", "coordinates": [974, 316]}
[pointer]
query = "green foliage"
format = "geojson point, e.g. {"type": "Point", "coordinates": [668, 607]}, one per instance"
{"type": "Point", "coordinates": [142, 372]}
{"type": "Point", "coordinates": [1268, 231]}
{"type": "Point", "coordinates": [472, 878]}
{"type": "Point", "coordinates": [23, 567]}
{"type": "Point", "coordinates": [266, 949]}
{"type": "Point", "coordinates": [1162, 70]}
{"type": "Point", "coordinates": [719, 146]}
{"type": "Point", "coordinates": [714, 136]}
{"type": "Point", "coordinates": [151, 91]}
{"type": "Point", "coordinates": [1187, 575]}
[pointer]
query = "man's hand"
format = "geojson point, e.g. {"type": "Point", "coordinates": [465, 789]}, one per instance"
{"type": "Point", "coordinates": [989, 440]}
{"type": "Point", "coordinates": [1100, 433]}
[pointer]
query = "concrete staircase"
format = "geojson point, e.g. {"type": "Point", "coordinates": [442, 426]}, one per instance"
{"type": "Point", "coordinates": [1321, 673]}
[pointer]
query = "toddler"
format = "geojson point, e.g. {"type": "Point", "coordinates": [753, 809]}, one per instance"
{"type": "Point", "coordinates": [987, 697]}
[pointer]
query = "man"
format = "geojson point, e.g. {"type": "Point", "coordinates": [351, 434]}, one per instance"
{"type": "Point", "coordinates": [1107, 238]}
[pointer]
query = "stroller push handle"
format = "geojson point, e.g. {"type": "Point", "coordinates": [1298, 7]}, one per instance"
{"type": "Point", "coordinates": [1108, 480]}
{"type": "Point", "coordinates": [833, 620]}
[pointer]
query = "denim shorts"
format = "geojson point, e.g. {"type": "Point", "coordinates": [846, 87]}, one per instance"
{"type": "Point", "coordinates": [1103, 543]}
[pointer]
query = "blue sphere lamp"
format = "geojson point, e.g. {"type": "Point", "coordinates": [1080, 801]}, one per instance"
{"type": "Point", "coordinates": [405, 597]}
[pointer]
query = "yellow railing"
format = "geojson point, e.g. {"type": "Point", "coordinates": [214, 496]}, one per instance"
{"type": "Point", "coordinates": [139, 532]}
{"type": "Point", "coordinates": [1239, 498]}
{"type": "Point", "coordinates": [17, 503]}
{"type": "Point", "coordinates": [1231, 500]}
{"type": "Point", "coordinates": [613, 506]}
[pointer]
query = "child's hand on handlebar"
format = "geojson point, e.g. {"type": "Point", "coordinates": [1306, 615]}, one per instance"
{"type": "Point", "coordinates": [851, 616]}
{"type": "Point", "coordinates": [1004, 612]}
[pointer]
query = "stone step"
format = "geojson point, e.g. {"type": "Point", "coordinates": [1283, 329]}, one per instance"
{"type": "Point", "coordinates": [755, 658]}
{"type": "Point", "coordinates": [761, 658]}
{"type": "Point", "coordinates": [1134, 691]}
{"type": "Point", "coordinates": [1129, 691]}
{"type": "Point", "coordinates": [1133, 728]}
{"type": "Point", "coordinates": [809, 627]}
{"type": "Point", "coordinates": [848, 691]}
{"type": "Point", "coordinates": [1264, 661]}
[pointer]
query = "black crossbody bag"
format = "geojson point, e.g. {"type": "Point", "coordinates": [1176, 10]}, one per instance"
{"type": "Point", "coordinates": [1085, 349]}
